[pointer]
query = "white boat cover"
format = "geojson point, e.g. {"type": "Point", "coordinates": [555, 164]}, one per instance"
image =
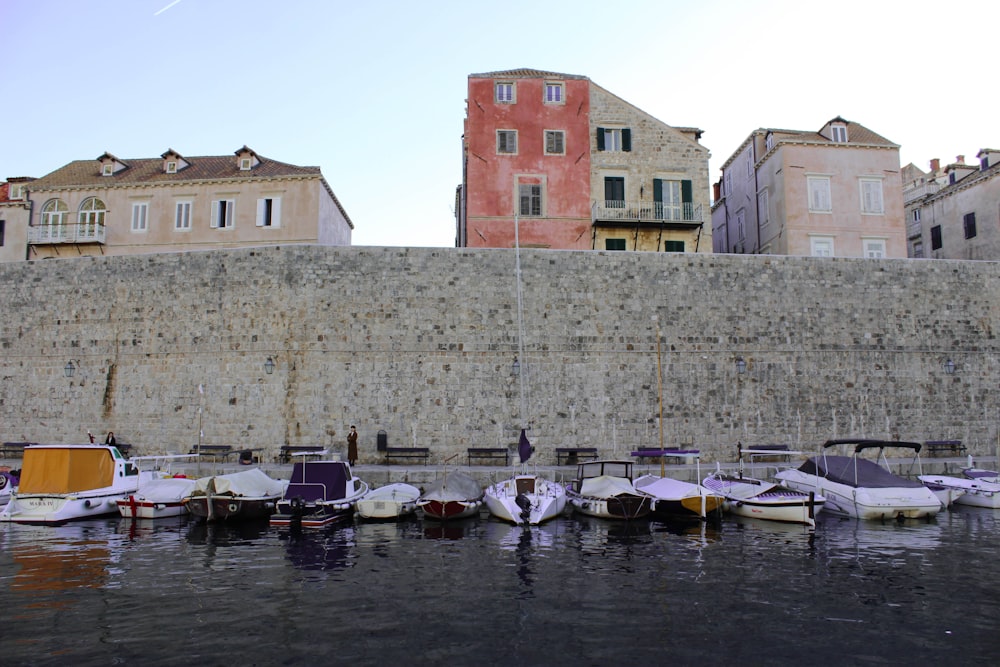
{"type": "Point", "coordinates": [666, 488]}
{"type": "Point", "coordinates": [605, 486]}
{"type": "Point", "coordinates": [167, 490]}
{"type": "Point", "coordinates": [253, 483]}
{"type": "Point", "coordinates": [396, 492]}
{"type": "Point", "coordinates": [454, 486]}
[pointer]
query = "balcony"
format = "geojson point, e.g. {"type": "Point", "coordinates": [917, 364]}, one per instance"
{"type": "Point", "coordinates": [652, 214]}
{"type": "Point", "coordinates": [913, 230]}
{"type": "Point", "coordinates": [86, 232]}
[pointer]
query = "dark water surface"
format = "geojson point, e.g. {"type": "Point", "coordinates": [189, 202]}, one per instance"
{"type": "Point", "coordinates": [576, 592]}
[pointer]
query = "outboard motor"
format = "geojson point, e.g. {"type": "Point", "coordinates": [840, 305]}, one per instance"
{"type": "Point", "coordinates": [524, 502]}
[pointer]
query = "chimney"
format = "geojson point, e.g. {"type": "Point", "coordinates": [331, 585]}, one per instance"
{"type": "Point", "coordinates": [935, 165]}
{"type": "Point", "coordinates": [960, 159]}
{"type": "Point", "coordinates": [716, 191]}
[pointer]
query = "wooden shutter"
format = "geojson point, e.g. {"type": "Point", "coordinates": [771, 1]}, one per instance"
{"type": "Point", "coordinates": [658, 190]}
{"type": "Point", "coordinates": [600, 138]}
{"type": "Point", "coordinates": [686, 192]}
{"type": "Point", "coordinates": [626, 139]}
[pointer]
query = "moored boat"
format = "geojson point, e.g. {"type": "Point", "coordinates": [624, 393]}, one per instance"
{"type": "Point", "coordinates": [974, 492]}
{"type": "Point", "coordinates": [157, 499]}
{"type": "Point", "coordinates": [858, 487]}
{"type": "Point", "coordinates": [249, 494]}
{"type": "Point", "coordinates": [525, 499]}
{"type": "Point", "coordinates": [604, 489]}
{"type": "Point", "coordinates": [319, 493]}
{"type": "Point", "coordinates": [454, 496]}
{"type": "Point", "coordinates": [61, 483]}
{"type": "Point", "coordinates": [8, 482]}
{"type": "Point", "coordinates": [677, 499]}
{"type": "Point", "coordinates": [392, 501]}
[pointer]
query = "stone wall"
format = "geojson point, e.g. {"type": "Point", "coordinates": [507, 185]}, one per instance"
{"type": "Point", "coordinates": [421, 343]}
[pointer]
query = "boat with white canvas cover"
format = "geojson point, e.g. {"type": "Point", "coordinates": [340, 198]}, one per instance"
{"type": "Point", "coordinates": [392, 501]}
{"type": "Point", "coordinates": [61, 483]}
{"type": "Point", "coordinates": [677, 499]}
{"type": "Point", "coordinates": [759, 499]}
{"type": "Point", "coordinates": [604, 489]}
{"type": "Point", "coordinates": [861, 488]}
{"type": "Point", "coordinates": [525, 498]}
{"type": "Point", "coordinates": [453, 496]}
{"type": "Point", "coordinates": [249, 494]}
{"type": "Point", "coordinates": [160, 494]}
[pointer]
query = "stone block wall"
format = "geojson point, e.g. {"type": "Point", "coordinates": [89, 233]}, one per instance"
{"type": "Point", "coordinates": [421, 343]}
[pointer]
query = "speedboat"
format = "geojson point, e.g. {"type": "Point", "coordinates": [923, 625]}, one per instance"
{"type": "Point", "coordinates": [319, 493]}
{"type": "Point", "coordinates": [604, 489]}
{"type": "Point", "coordinates": [979, 491]}
{"type": "Point", "coordinates": [759, 499]}
{"type": "Point", "coordinates": [392, 501]}
{"type": "Point", "coordinates": [525, 499]}
{"type": "Point", "coordinates": [60, 483]}
{"type": "Point", "coordinates": [454, 496]}
{"type": "Point", "coordinates": [249, 494]}
{"type": "Point", "coordinates": [858, 487]}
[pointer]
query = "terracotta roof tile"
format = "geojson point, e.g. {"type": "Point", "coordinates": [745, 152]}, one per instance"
{"type": "Point", "coordinates": [525, 73]}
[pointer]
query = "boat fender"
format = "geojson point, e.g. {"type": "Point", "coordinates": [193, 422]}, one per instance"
{"type": "Point", "coordinates": [87, 504]}
{"type": "Point", "coordinates": [233, 507]}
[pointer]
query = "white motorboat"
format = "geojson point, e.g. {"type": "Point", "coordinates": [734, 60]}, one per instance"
{"type": "Point", "coordinates": [8, 482]}
{"type": "Point", "coordinates": [858, 487]}
{"type": "Point", "coordinates": [319, 493]}
{"type": "Point", "coordinates": [604, 489]}
{"type": "Point", "coordinates": [454, 496]}
{"type": "Point", "coordinates": [975, 492]}
{"type": "Point", "coordinates": [759, 499]}
{"type": "Point", "coordinates": [392, 501]}
{"type": "Point", "coordinates": [250, 494]}
{"type": "Point", "coordinates": [525, 499]}
{"type": "Point", "coordinates": [157, 498]}
{"type": "Point", "coordinates": [60, 483]}
{"type": "Point", "coordinates": [980, 473]}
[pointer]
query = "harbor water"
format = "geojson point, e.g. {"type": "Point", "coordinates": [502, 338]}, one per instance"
{"type": "Point", "coordinates": [574, 591]}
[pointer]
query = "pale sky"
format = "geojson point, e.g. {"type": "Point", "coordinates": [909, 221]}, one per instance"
{"type": "Point", "coordinates": [373, 92]}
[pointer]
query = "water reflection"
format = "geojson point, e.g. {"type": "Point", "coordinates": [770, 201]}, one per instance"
{"type": "Point", "coordinates": [226, 533]}
{"type": "Point", "coordinates": [450, 530]}
{"type": "Point", "coordinates": [331, 549]}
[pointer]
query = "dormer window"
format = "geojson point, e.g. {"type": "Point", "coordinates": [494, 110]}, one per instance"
{"type": "Point", "coordinates": [173, 162]}
{"type": "Point", "coordinates": [110, 165]}
{"type": "Point", "coordinates": [769, 141]}
{"type": "Point", "coordinates": [245, 164]}
{"type": "Point", "coordinates": [839, 133]}
{"type": "Point", "coordinates": [108, 170]}
{"type": "Point", "coordinates": [246, 159]}
{"type": "Point", "coordinates": [172, 167]}
{"type": "Point", "coordinates": [16, 191]}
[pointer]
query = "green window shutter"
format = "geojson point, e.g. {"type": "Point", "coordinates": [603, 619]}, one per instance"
{"type": "Point", "coordinates": [673, 246]}
{"type": "Point", "coordinates": [686, 194]}
{"type": "Point", "coordinates": [626, 139]}
{"type": "Point", "coordinates": [600, 138]}
{"type": "Point", "coordinates": [657, 189]}
{"type": "Point", "coordinates": [614, 244]}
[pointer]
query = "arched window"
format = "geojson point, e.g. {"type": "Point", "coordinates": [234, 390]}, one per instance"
{"type": "Point", "coordinates": [54, 219]}
{"type": "Point", "coordinates": [92, 212]}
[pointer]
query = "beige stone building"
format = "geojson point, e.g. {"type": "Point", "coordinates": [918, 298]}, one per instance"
{"type": "Point", "coordinates": [112, 206]}
{"type": "Point", "coordinates": [952, 211]}
{"type": "Point", "coordinates": [14, 214]}
{"type": "Point", "coordinates": [831, 193]}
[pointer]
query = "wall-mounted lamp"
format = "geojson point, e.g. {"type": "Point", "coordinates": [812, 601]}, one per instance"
{"type": "Point", "coordinates": [269, 366]}
{"type": "Point", "coordinates": [69, 369]}
{"type": "Point", "coordinates": [741, 365]}
{"type": "Point", "coordinates": [949, 367]}
{"type": "Point", "coordinates": [515, 368]}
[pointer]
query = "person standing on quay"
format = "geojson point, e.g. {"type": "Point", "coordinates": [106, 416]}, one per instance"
{"type": "Point", "coordinates": [352, 446]}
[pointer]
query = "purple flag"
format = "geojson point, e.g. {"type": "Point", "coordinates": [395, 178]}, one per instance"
{"type": "Point", "coordinates": [524, 447]}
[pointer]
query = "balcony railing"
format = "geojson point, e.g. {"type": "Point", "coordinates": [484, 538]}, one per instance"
{"type": "Point", "coordinates": [84, 232]}
{"type": "Point", "coordinates": [646, 212]}
{"type": "Point", "coordinates": [913, 229]}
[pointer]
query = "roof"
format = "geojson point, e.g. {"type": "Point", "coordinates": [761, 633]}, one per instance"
{"type": "Point", "coordinates": [149, 171]}
{"type": "Point", "coordinates": [525, 73]}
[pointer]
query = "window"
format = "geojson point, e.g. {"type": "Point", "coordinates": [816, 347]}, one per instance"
{"type": "Point", "coordinates": [839, 133]}
{"type": "Point", "coordinates": [918, 249]}
{"type": "Point", "coordinates": [969, 224]}
{"type": "Point", "coordinates": [741, 225]}
{"type": "Point", "coordinates": [763, 214]}
{"type": "Point", "coordinates": [614, 191]}
{"type": "Point", "coordinates": [54, 213]}
{"type": "Point", "coordinates": [555, 142]}
{"type": "Point", "coordinates": [108, 170]}
{"type": "Point", "coordinates": [553, 93]}
{"type": "Point", "coordinates": [91, 216]}
{"type": "Point", "coordinates": [269, 212]}
{"type": "Point", "coordinates": [874, 248]}
{"type": "Point", "coordinates": [916, 215]}
{"type": "Point", "coordinates": [614, 244]}
{"type": "Point", "coordinates": [245, 164]}
{"type": "Point", "coordinates": [871, 196]}
{"type": "Point", "coordinates": [222, 213]}
{"type": "Point", "coordinates": [728, 182]}
{"type": "Point", "coordinates": [769, 141]}
{"type": "Point", "coordinates": [3, 230]}
{"type": "Point", "coordinates": [530, 196]}
{"type": "Point", "coordinates": [505, 92]}
{"type": "Point", "coordinates": [182, 216]}
{"type": "Point", "coordinates": [750, 162]}
{"type": "Point", "coordinates": [139, 212]}
{"type": "Point", "coordinates": [819, 194]}
{"type": "Point", "coordinates": [172, 167]}
{"type": "Point", "coordinates": [672, 199]}
{"type": "Point", "coordinates": [821, 246]}
{"type": "Point", "coordinates": [16, 191]}
{"type": "Point", "coordinates": [936, 237]}
{"type": "Point", "coordinates": [507, 141]}
{"type": "Point", "coordinates": [673, 246]}
{"type": "Point", "coordinates": [614, 140]}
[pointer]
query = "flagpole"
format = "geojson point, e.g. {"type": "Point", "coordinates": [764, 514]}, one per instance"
{"type": "Point", "coordinates": [520, 323]}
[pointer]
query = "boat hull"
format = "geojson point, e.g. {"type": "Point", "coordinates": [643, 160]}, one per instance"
{"type": "Point", "coordinates": [790, 510]}
{"type": "Point", "coordinates": [878, 504]}
{"type": "Point", "coordinates": [389, 502]}
{"type": "Point", "coordinates": [971, 492]}
{"type": "Point", "coordinates": [621, 507]}
{"type": "Point", "coordinates": [141, 508]}
{"type": "Point", "coordinates": [525, 499]}
{"type": "Point", "coordinates": [316, 517]}
{"type": "Point", "coordinates": [446, 510]}
{"type": "Point", "coordinates": [231, 508]}
{"type": "Point", "coordinates": [57, 509]}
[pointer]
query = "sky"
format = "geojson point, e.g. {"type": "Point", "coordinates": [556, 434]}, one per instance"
{"type": "Point", "coordinates": [374, 92]}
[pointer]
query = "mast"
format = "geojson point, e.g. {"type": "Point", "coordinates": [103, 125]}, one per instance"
{"type": "Point", "coordinates": [522, 415]}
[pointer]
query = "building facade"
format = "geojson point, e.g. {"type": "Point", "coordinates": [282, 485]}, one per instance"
{"type": "Point", "coordinates": [578, 167]}
{"type": "Point", "coordinates": [952, 212]}
{"type": "Point", "coordinates": [14, 215]}
{"type": "Point", "coordinates": [111, 206]}
{"type": "Point", "coordinates": [831, 193]}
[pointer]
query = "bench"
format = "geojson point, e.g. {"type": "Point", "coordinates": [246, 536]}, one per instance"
{"type": "Point", "coordinates": [14, 449]}
{"type": "Point", "coordinates": [285, 454]}
{"type": "Point", "coordinates": [407, 453]}
{"type": "Point", "coordinates": [935, 447]}
{"type": "Point", "coordinates": [769, 453]}
{"type": "Point", "coordinates": [489, 453]}
{"type": "Point", "coordinates": [648, 453]}
{"type": "Point", "coordinates": [569, 455]}
{"type": "Point", "coordinates": [215, 451]}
